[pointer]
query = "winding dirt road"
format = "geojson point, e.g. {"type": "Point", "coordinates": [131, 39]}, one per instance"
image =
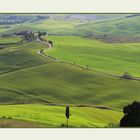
{"type": "Point", "coordinates": [55, 59]}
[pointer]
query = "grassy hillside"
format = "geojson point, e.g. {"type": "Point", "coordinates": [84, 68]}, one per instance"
{"type": "Point", "coordinates": [115, 58]}
{"type": "Point", "coordinates": [54, 116]}
{"type": "Point", "coordinates": [105, 27]}
{"type": "Point", "coordinates": [21, 56]}
{"type": "Point", "coordinates": [8, 40]}
{"type": "Point", "coordinates": [38, 87]}
{"type": "Point", "coordinates": [74, 24]}
{"type": "Point", "coordinates": [27, 77]}
{"type": "Point", "coordinates": [52, 26]}
{"type": "Point", "coordinates": [66, 84]}
{"type": "Point", "coordinates": [128, 26]}
{"type": "Point", "coordinates": [67, 24]}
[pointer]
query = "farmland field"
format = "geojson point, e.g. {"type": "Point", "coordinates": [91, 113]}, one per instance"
{"type": "Point", "coordinates": [49, 83]}
{"type": "Point", "coordinates": [11, 40]}
{"type": "Point", "coordinates": [48, 62]}
{"type": "Point", "coordinates": [115, 58]}
{"type": "Point", "coordinates": [53, 116]}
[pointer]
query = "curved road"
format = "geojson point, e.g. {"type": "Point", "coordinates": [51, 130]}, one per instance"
{"type": "Point", "coordinates": [55, 59]}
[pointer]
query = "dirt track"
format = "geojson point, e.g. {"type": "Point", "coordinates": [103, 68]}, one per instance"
{"type": "Point", "coordinates": [55, 59]}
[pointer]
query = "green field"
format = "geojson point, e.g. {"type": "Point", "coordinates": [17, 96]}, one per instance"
{"type": "Point", "coordinates": [10, 40]}
{"type": "Point", "coordinates": [118, 25]}
{"type": "Point", "coordinates": [21, 56]}
{"type": "Point", "coordinates": [77, 71]}
{"type": "Point", "coordinates": [53, 82]}
{"type": "Point", "coordinates": [54, 116]}
{"type": "Point", "coordinates": [43, 80]}
{"type": "Point", "coordinates": [66, 84]}
{"type": "Point", "coordinates": [115, 58]}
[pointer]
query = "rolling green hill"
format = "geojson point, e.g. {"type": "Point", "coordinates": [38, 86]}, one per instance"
{"type": "Point", "coordinates": [28, 77]}
{"type": "Point", "coordinates": [115, 58]}
{"type": "Point", "coordinates": [79, 24]}
{"type": "Point", "coordinates": [61, 83]}
{"type": "Point", "coordinates": [128, 26]}
{"type": "Point", "coordinates": [84, 75]}
{"type": "Point", "coordinates": [54, 116]}
{"type": "Point", "coordinates": [123, 25]}
{"type": "Point", "coordinates": [21, 56]}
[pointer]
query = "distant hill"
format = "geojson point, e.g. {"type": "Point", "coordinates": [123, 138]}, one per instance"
{"type": "Point", "coordinates": [93, 16]}
{"type": "Point", "coordinates": [20, 18]}
{"type": "Point", "coordinates": [112, 26]}
{"type": "Point", "coordinates": [125, 26]}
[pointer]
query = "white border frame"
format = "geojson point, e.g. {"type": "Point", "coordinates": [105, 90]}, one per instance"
{"type": "Point", "coordinates": [69, 6]}
{"type": "Point", "coordinates": [72, 6]}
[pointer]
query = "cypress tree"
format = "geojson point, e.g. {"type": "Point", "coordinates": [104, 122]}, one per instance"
{"type": "Point", "coordinates": [67, 114]}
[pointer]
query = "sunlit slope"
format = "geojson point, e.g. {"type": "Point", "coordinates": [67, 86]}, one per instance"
{"type": "Point", "coordinates": [115, 58]}
{"type": "Point", "coordinates": [128, 26]}
{"type": "Point", "coordinates": [63, 24]}
{"type": "Point", "coordinates": [66, 84]}
{"type": "Point", "coordinates": [59, 27]}
{"type": "Point", "coordinates": [54, 116]}
{"type": "Point", "coordinates": [117, 25]}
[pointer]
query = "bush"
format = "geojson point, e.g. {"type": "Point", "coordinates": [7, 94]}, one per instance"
{"type": "Point", "coordinates": [4, 117]}
{"type": "Point", "coordinates": [9, 117]}
{"type": "Point", "coordinates": [126, 75]}
{"type": "Point", "coordinates": [131, 116]}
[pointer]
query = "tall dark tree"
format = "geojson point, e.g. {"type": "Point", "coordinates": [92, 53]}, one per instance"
{"type": "Point", "coordinates": [39, 34]}
{"type": "Point", "coordinates": [131, 116]}
{"type": "Point", "coordinates": [50, 42]}
{"type": "Point", "coordinates": [67, 114]}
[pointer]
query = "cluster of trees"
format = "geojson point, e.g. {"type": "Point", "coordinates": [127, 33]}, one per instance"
{"type": "Point", "coordinates": [30, 36]}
